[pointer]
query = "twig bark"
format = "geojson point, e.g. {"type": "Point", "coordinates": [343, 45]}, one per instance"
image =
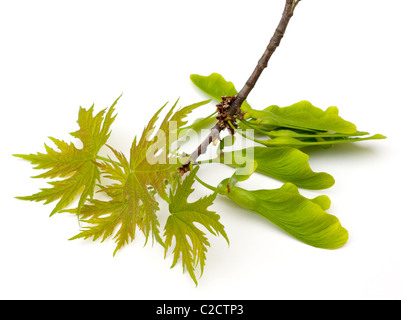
{"type": "Point", "coordinates": [235, 107]}
{"type": "Point", "coordinates": [264, 60]}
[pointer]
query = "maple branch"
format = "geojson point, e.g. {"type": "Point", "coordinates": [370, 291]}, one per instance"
{"type": "Point", "coordinates": [233, 110]}
{"type": "Point", "coordinates": [271, 48]}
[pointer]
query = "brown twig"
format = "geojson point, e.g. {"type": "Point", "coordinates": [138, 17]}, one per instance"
{"type": "Point", "coordinates": [233, 108]}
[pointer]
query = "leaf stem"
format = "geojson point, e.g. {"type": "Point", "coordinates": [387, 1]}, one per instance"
{"type": "Point", "coordinates": [205, 184]}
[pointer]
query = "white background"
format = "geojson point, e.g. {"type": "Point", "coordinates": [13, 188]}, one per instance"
{"type": "Point", "coordinates": [58, 55]}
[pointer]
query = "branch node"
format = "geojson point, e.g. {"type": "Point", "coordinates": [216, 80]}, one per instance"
{"type": "Point", "coordinates": [229, 109]}
{"type": "Point", "coordinates": [184, 168]}
{"type": "Point", "coordinates": [226, 113]}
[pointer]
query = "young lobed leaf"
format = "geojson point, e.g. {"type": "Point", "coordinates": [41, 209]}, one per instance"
{"type": "Point", "coordinates": [135, 183]}
{"type": "Point", "coordinates": [132, 205]}
{"type": "Point", "coordinates": [77, 166]}
{"type": "Point", "coordinates": [190, 242]}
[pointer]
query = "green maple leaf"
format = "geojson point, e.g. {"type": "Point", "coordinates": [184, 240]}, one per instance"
{"type": "Point", "coordinates": [132, 205]}
{"type": "Point", "coordinates": [77, 166]}
{"type": "Point", "coordinates": [190, 242]}
{"type": "Point", "coordinates": [135, 184]}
